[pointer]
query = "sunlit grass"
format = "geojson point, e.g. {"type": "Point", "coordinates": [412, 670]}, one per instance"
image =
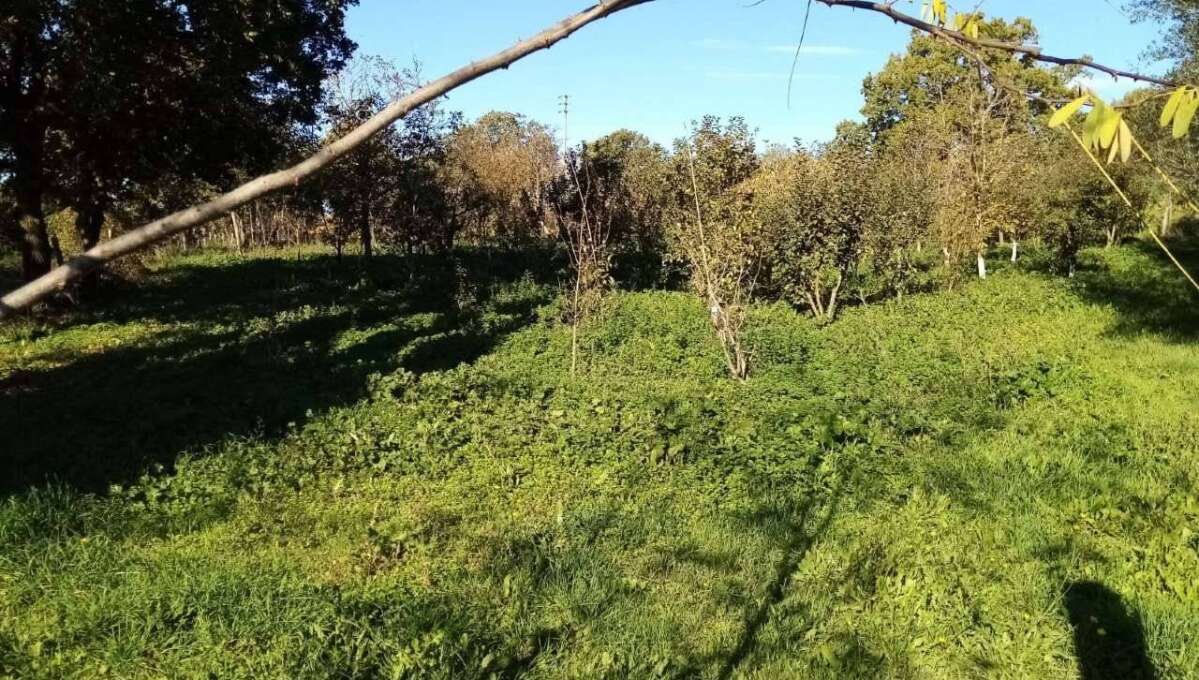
{"type": "Point", "coordinates": [362, 478]}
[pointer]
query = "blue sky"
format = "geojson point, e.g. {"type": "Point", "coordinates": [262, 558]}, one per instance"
{"type": "Point", "coordinates": [655, 67]}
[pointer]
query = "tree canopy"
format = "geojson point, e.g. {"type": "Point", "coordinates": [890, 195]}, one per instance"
{"type": "Point", "coordinates": [953, 54]}
{"type": "Point", "coordinates": [101, 98]}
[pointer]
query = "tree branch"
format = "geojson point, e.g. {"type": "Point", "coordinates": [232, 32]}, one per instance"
{"type": "Point", "coordinates": [195, 216]}
{"type": "Point", "coordinates": [1033, 51]}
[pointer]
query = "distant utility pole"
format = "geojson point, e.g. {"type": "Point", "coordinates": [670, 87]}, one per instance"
{"type": "Point", "coordinates": [564, 109]}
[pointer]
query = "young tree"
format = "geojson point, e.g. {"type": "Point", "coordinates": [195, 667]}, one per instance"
{"type": "Point", "coordinates": [1075, 205]}
{"type": "Point", "coordinates": [904, 183]}
{"type": "Point", "coordinates": [986, 160]}
{"type": "Point", "coordinates": [710, 229]}
{"type": "Point", "coordinates": [632, 172]}
{"type": "Point", "coordinates": [1177, 158]}
{"type": "Point", "coordinates": [814, 205]}
{"type": "Point", "coordinates": [589, 204]}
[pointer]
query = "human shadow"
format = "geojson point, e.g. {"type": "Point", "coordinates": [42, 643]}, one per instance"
{"type": "Point", "coordinates": [1109, 639]}
{"type": "Point", "coordinates": [243, 348]}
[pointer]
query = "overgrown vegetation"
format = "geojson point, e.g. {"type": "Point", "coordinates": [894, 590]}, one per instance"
{"type": "Point", "coordinates": [493, 433]}
{"type": "Point", "coordinates": [349, 474]}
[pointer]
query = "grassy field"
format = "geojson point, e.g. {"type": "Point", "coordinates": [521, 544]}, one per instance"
{"type": "Point", "coordinates": [281, 467]}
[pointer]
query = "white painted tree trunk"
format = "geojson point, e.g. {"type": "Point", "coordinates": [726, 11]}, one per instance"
{"type": "Point", "coordinates": [238, 236]}
{"type": "Point", "coordinates": [1015, 247]}
{"type": "Point", "coordinates": [982, 266]}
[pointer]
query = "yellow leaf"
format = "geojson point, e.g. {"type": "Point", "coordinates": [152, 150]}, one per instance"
{"type": "Point", "coordinates": [1182, 119]}
{"type": "Point", "coordinates": [940, 11]}
{"type": "Point", "coordinates": [1063, 114]}
{"type": "Point", "coordinates": [1172, 106]}
{"type": "Point", "coordinates": [1125, 138]}
{"type": "Point", "coordinates": [1091, 124]}
{"type": "Point", "coordinates": [1111, 155]}
{"type": "Point", "coordinates": [1108, 126]}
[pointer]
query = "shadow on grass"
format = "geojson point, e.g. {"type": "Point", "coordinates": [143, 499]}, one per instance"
{"type": "Point", "coordinates": [248, 347]}
{"type": "Point", "coordinates": [799, 540]}
{"type": "Point", "coordinates": [1109, 639]}
{"type": "Point", "coordinates": [1144, 287]}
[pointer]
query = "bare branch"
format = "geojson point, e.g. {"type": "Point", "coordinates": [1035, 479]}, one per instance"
{"type": "Point", "coordinates": [958, 37]}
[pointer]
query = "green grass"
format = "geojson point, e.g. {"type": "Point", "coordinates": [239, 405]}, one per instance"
{"type": "Point", "coordinates": [279, 466]}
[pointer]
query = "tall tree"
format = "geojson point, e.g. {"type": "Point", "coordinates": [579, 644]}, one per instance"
{"type": "Point", "coordinates": [931, 71]}
{"type": "Point", "coordinates": [511, 162]}
{"type": "Point", "coordinates": [356, 192]}
{"type": "Point", "coordinates": [630, 171]}
{"type": "Point", "coordinates": [390, 187]}
{"type": "Point", "coordinates": [1179, 43]}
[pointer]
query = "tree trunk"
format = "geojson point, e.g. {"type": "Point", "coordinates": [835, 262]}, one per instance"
{"type": "Point", "coordinates": [367, 238]}
{"type": "Point", "coordinates": [89, 220]}
{"type": "Point", "coordinates": [238, 235]}
{"type": "Point", "coordinates": [35, 240]}
{"type": "Point", "coordinates": [1015, 247]}
{"type": "Point", "coordinates": [830, 310]}
{"type": "Point", "coordinates": [815, 303]}
{"type": "Point", "coordinates": [982, 266]}
{"type": "Point", "coordinates": [24, 132]}
{"type": "Point", "coordinates": [27, 190]}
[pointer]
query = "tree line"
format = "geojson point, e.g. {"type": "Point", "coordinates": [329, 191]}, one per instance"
{"type": "Point", "coordinates": [951, 158]}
